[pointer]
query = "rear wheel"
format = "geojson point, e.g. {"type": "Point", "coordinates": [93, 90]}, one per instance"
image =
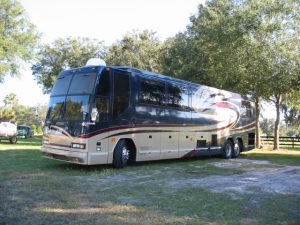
{"type": "Point", "coordinates": [236, 149]}
{"type": "Point", "coordinates": [228, 149]}
{"type": "Point", "coordinates": [121, 154]}
{"type": "Point", "coordinates": [13, 140]}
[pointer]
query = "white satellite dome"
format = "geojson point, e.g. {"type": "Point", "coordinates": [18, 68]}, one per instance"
{"type": "Point", "coordinates": [95, 62]}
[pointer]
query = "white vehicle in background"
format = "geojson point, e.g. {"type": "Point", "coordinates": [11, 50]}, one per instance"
{"type": "Point", "coordinates": [8, 131]}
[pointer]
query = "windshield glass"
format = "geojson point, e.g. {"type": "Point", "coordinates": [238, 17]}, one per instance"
{"type": "Point", "coordinates": [55, 108]}
{"type": "Point", "coordinates": [61, 85]}
{"type": "Point", "coordinates": [82, 84]}
{"type": "Point", "coordinates": [74, 83]}
{"type": "Point", "coordinates": [77, 107]}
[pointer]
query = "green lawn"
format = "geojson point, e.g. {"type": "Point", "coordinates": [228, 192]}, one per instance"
{"type": "Point", "coordinates": [35, 190]}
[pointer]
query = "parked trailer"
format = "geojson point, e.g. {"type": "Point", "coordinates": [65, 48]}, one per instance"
{"type": "Point", "coordinates": [8, 131]}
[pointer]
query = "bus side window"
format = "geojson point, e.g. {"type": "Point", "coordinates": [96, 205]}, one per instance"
{"type": "Point", "coordinates": [121, 93]}
{"type": "Point", "coordinates": [102, 96]}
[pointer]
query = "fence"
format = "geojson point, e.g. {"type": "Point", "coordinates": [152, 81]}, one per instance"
{"type": "Point", "coordinates": [293, 142]}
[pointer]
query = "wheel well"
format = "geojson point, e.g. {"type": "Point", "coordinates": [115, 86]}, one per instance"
{"type": "Point", "coordinates": [239, 139]}
{"type": "Point", "coordinates": [132, 148]}
{"type": "Point", "coordinates": [230, 139]}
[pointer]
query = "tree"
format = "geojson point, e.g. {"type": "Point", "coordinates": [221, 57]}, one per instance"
{"type": "Point", "coordinates": [136, 49]}
{"type": "Point", "coordinates": [11, 101]}
{"type": "Point", "coordinates": [7, 114]}
{"type": "Point", "coordinates": [64, 54]}
{"type": "Point", "coordinates": [234, 39]}
{"type": "Point", "coordinates": [18, 37]}
{"type": "Point", "coordinates": [267, 126]}
{"type": "Point", "coordinates": [291, 111]}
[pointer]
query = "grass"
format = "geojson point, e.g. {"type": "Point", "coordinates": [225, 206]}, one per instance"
{"type": "Point", "coordinates": [282, 156]}
{"type": "Point", "coordinates": [35, 190]}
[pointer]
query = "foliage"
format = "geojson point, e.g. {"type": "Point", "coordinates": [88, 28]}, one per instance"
{"type": "Point", "coordinates": [136, 49]}
{"type": "Point", "coordinates": [7, 114]}
{"type": "Point", "coordinates": [291, 110]}
{"type": "Point", "coordinates": [10, 100]}
{"type": "Point", "coordinates": [63, 54]}
{"type": "Point", "coordinates": [18, 37]}
{"type": "Point", "coordinates": [267, 126]}
{"type": "Point", "coordinates": [250, 47]}
{"type": "Point", "coordinates": [12, 111]}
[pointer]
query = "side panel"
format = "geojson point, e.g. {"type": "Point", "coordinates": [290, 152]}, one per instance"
{"type": "Point", "coordinates": [98, 151]}
{"type": "Point", "coordinates": [148, 145]}
{"type": "Point", "coordinates": [169, 145]}
{"type": "Point", "coordinates": [187, 142]}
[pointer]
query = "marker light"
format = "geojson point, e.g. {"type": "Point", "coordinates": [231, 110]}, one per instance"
{"type": "Point", "coordinates": [79, 146]}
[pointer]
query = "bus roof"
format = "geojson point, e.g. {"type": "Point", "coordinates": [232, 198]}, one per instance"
{"type": "Point", "coordinates": [145, 73]}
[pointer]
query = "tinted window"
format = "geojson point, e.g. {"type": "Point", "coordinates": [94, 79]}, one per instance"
{"type": "Point", "coordinates": [103, 87]}
{"type": "Point", "coordinates": [102, 96]}
{"type": "Point", "coordinates": [76, 107]}
{"type": "Point", "coordinates": [152, 92]}
{"type": "Point", "coordinates": [178, 96]}
{"type": "Point", "coordinates": [55, 108]}
{"type": "Point", "coordinates": [83, 83]}
{"type": "Point", "coordinates": [121, 93]}
{"type": "Point", "coordinates": [61, 85]}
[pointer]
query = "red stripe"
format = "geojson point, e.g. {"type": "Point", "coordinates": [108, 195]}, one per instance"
{"type": "Point", "coordinates": [147, 126]}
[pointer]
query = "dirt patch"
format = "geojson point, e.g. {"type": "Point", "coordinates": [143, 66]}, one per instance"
{"type": "Point", "coordinates": [258, 175]}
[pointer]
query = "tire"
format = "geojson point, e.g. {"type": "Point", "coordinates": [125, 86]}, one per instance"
{"type": "Point", "coordinates": [236, 149]}
{"type": "Point", "coordinates": [13, 140]}
{"type": "Point", "coordinates": [121, 155]}
{"type": "Point", "coordinates": [227, 150]}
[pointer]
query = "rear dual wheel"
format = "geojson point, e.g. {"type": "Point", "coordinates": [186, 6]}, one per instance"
{"type": "Point", "coordinates": [228, 149]}
{"type": "Point", "coordinates": [236, 149]}
{"type": "Point", "coordinates": [232, 150]}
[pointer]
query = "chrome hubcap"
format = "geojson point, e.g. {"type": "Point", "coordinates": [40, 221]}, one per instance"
{"type": "Point", "coordinates": [125, 154]}
{"type": "Point", "coordinates": [236, 148]}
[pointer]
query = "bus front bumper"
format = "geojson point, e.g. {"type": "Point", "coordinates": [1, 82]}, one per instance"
{"type": "Point", "coordinates": [65, 155]}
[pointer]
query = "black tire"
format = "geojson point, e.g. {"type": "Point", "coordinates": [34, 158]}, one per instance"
{"type": "Point", "coordinates": [121, 155]}
{"type": "Point", "coordinates": [25, 136]}
{"type": "Point", "coordinates": [13, 140]}
{"type": "Point", "coordinates": [227, 149]}
{"type": "Point", "coordinates": [236, 149]}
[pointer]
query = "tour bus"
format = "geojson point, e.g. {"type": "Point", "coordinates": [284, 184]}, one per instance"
{"type": "Point", "coordinates": [102, 114]}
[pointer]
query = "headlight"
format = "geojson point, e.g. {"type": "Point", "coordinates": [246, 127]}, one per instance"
{"type": "Point", "coordinates": [77, 145]}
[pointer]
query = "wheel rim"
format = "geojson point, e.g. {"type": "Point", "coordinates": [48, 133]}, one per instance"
{"type": "Point", "coordinates": [236, 149]}
{"type": "Point", "coordinates": [125, 154]}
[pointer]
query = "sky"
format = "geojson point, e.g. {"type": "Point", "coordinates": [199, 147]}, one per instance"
{"type": "Point", "coordinates": [105, 20]}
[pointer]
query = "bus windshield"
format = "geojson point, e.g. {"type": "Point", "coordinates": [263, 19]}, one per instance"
{"type": "Point", "coordinates": [72, 108]}
{"type": "Point", "coordinates": [74, 84]}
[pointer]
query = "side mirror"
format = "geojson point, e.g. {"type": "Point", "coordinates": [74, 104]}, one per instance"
{"type": "Point", "coordinates": [94, 114]}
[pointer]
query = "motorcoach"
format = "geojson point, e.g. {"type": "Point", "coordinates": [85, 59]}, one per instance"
{"type": "Point", "coordinates": [102, 114]}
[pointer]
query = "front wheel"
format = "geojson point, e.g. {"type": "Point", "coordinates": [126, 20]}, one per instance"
{"type": "Point", "coordinates": [121, 155]}
{"type": "Point", "coordinates": [227, 150]}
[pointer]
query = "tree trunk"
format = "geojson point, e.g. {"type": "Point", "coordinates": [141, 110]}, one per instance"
{"type": "Point", "coordinates": [257, 129]}
{"type": "Point", "coordinates": [277, 121]}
